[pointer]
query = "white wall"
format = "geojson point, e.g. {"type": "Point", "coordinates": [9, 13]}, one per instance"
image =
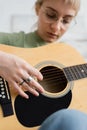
{"type": "Point", "coordinates": [16, 15]}
{"type": "Point", "coordinates": [79, 31]}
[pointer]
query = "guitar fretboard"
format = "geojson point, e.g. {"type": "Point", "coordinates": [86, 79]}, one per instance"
{"type": "Point", "coordinates": [76, 72]}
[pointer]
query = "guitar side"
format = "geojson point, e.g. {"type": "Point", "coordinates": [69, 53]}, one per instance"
{"type": "Point", "coordinates": [61, 53]}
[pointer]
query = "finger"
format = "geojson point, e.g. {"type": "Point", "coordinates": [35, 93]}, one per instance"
{"type": "Point", "coordinates": [20, 91]}
{"type": "Point", "coordinates": [31, 89]}
{"type": "Point", "coordinates": [36, 73]}
{"type": "Point", "coordinates": [24, 86]}
{"type": "Point", "coordinates": [30, 81]}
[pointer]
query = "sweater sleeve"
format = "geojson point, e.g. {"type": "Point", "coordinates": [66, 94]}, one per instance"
{"type": "Point", "coordinates": [13, 39]}
{"type": "Point", "coordinates": [4, 38]}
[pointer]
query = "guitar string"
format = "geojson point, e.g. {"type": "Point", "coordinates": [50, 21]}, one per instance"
{"type": "Point", "coordinates": [50, 73]}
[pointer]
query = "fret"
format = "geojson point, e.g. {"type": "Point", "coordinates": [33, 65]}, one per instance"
{"type": "Point", "coordinates": [76, 72]}
{"type": "Point", "coordinates": [68, 74]}
{"type": "Point", "coordinates": [83, 70]}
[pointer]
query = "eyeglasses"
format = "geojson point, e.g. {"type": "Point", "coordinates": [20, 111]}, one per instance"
{"type": "Point", "coordinates": [51, 16]}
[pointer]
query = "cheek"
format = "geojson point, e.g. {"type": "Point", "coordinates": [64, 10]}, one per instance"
{"type": "Point", "coordinates": [63, 31]}
{"type": "Point", "coordinates": [41, 28]}
{"type": "Point", "coordinates": [41, 23]}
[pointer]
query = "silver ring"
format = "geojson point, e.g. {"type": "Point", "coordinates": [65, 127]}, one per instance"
{"type": "Point", "coordinates": [29, 79]}
{"type": "Point", "coordinates": [22, 82]}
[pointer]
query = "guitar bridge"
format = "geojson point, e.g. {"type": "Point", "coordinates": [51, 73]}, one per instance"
{"type": "Point", "coordinates": [5, 98]}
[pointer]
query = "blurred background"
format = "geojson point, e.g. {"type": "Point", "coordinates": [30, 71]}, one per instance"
{"type": "Point", "coordinates": [19, 15]}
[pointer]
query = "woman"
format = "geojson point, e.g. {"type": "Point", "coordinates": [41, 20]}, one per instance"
{"type": "Point", "coordinates": [54, 19]}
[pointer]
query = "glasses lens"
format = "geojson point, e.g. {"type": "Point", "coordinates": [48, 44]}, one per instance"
{"type": "Point", "coordinates": [73, 23]}
{"type": "Point", "coordinates": [50, 16]}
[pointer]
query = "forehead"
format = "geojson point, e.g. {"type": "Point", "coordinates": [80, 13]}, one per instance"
{"type": "Point", "coordinates": [60, 7]}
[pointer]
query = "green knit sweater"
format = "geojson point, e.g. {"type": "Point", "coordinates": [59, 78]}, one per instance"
{"type": "Point", "coordinates": [21, 39]}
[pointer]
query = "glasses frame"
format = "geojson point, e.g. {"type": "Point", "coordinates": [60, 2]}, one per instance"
{"type": "Point", "coordinates": [56, 19]}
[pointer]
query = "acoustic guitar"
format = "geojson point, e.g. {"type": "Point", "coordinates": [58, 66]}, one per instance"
{"type": "Point", "coordinates": [64, 80]}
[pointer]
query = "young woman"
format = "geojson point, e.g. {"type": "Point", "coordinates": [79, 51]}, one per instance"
{"type": "Point", "coordinates": [54, 19]}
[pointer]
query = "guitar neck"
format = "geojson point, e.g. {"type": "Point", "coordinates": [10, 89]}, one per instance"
{"type": "Point", "coordinates": [76, 72]}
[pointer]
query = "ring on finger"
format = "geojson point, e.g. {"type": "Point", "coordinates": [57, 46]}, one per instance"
{"type": "Point", "coordinates": [21, 83]}
{"type": "Point", "coordinates": [29, 79]}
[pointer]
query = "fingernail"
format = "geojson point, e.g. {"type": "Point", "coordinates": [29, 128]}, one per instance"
{"type": "Point", "coordinates": [37, 94]}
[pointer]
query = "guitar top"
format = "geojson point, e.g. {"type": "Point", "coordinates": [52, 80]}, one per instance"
{"type": "Point", "coordinates": [64, 71]}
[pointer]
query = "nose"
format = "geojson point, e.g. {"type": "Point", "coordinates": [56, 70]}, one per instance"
{"type": "Point", "coordinates": [56, 26]}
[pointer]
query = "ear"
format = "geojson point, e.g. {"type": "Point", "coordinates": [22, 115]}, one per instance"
{"type": "Point", "coordinates": [37, 8]}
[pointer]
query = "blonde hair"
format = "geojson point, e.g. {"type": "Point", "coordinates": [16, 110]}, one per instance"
{"type": "Point", "coordinates": [74, 3]}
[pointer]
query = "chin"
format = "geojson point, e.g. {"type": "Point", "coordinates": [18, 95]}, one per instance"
{"type": "Point", "coordinates": [51, 40]}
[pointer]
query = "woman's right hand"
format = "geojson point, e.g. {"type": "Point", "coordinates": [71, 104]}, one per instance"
{"type": "Point", "coordinates": [17, 72]}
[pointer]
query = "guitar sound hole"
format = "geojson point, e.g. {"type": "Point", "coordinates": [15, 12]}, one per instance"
{"type": "Point", "coordinates": [54, 80]}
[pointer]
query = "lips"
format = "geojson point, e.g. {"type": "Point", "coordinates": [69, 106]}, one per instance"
{"type": "Point", "coordinates": [52, 35]}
